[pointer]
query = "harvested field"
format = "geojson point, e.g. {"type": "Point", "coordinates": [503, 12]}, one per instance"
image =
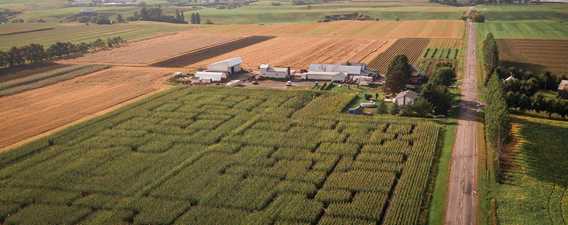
{"type": "Point", "coordinates": [299, 52]}
{"type": "Point", "coordinates": [539, 55]}
{"type": "Point", "coordinates": [155, 49]}
{"type": "Point", "coordinates": [411, 47]}
{"type": "Point", "coordinates": [445, 43]}
{"type": "Point", "coordinates": [37, 111]}
{"type": "Point", "coordinates": [212, 156]}
{"type": "Point", "coordinates": [353, 29]}
{"type": "Point", "coordinates": [206, 53]}
{"type": "Point", "coordinates": [38, 80]}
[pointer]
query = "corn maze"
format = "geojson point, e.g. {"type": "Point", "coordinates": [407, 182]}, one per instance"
{"type": "Point", "coordinates": [224, 156]}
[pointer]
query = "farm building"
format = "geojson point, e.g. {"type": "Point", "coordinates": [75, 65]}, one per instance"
{"type": "Point", "coordinates": [362, 80]}
{"type": "Point", "coordinates": [229, 66]}
{"type": "Point", "coordinates": [563, 89]}
{"type": "Point", "coordinates": [405, 98]}
{"type": "Point", "coordinates": [274, 72]}
{"type": "Point", "coordinates": [354, 70]}
{"type": "Point", "coordinates": [326, 76]}
{"type": "Point", "coordinates": [211, 76]}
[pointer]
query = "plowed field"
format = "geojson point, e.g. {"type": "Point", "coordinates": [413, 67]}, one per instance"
{"type": "Point", "coordinates": [156, 49]}
{"type": "Point", "coordinates": [36, 111]}
{"type": "Point", "coordinates": [411, 47]}
{"type": "Point", "coordinates": [299, 52]}
{"type": "Point", "coordinates": [540, 55]}
{"type": "Point", "coordinates": [353, 29]}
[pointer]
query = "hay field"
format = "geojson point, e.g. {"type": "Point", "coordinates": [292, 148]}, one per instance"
{"type": "Point", "coordinates": [352, 29]}
{"type": "Point", "coordinates": [212, 156]}
{"type": "Point", "coordinates": [299, 52]}
{"type": "Point", "coordinates": [37, 111]}
{"type": "Point", "coordinates": [156, 49]}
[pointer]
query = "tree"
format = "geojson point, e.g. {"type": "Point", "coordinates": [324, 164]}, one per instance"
{"type": "Point", "coordinates": [443, 76]}
{"type": "Point", "coordinates": [497, 122]}
{"type": "Point", "coordinates": [193, 19]}
{"type": "Point", "coordinates": [198, 19]}
{"type": "Point", "coordinates": [381, 107]}
{"type": "Point", "coordinates": [3, 59]}
{"type": "Point", "coordinates": [491, 55]}
{"type": "Point", "coordinates": [15, 57]}
{"type": "Point", "coordinates": [421, 107]}
{"type": "Point", "coordinates": [398, 74]}
{"type": "Point", "coordinates": [119, 18]}
{"type": "Point", "coordinates": [34, 53]}
{"type": "Point", "coordinates": [439, 96]}
{"type": "Point", "coordinates": [394, 109]}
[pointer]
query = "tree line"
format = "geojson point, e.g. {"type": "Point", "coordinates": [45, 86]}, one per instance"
{"type": "Point", "coordinates": [156, 14]}
{"type": "Point", "coordinates": [37, 53]}
{"type": "Point", "coordinates": [497, 121]}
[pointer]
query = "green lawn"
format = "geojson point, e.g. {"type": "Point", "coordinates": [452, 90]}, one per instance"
{"type": "Point", "coordinates": [536, 29]}
{"type": "Point", "coordinates": [84, 33]}
{"type": "Point", "coordinates": [535, 191]}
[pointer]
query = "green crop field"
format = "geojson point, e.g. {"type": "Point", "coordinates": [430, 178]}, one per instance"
{"type": "Point", "coordinates": [84, 33]}
{"type": "Point", "coordinates": [225, 156]}
{"type": "Point", "coordinates": [263, 13]}
{"type": "Point", "coordinates": [535, 189]}
{"type": "Point", "coordinates": [545, 29]}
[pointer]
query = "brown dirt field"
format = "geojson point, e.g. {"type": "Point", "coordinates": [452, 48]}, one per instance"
{"type": "Point", "coordinates": [40, 110]}
{"type": "Point", "coordinates": [352, 29]}
{"type": "Point", "coordinates": [445, 43]}
{"type": "Point", "coordinates": [299, 52]}
{"type": "Point", "coordinates": [411, 47]}
{"type": "Point", "coordinates": [539, 55]}
{"type": "Point", "coordinates": [154, 50]}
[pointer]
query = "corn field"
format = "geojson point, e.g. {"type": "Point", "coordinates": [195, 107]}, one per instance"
{"type": "Point", "coordinates": [224, 156]}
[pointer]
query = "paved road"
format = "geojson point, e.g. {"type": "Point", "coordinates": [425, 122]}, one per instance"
{"type": "Point", "coordinates": [462, 199]}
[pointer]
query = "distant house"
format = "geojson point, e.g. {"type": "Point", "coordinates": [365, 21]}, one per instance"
{"type": "Point", "coordinates": [228, 66]}
{"type": "Point", "coordinates": [563, 89]}
{"type": "Point", "coordinates": [274, 72]}
{"type": "Point", "coordinates": [326, 76]}
{"type": "Point", "coordinates": [207, 76]}
{"type": "Point", "coordinates": [405, 98]}
{"type": "Point", "coordinates": [353, 70]}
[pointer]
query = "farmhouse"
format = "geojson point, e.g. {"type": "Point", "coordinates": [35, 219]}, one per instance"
{"type": "Point", "coordinates": [563, 89]}
{"type": "Point", "coordinates": [274, 72]}
{"type": "Point", "coordinates": [228, 66]}
{"type": "Point", "coordinates": [405, 98]}
{"type": "Point", "coordinates": [210, 76]}
{"type": "Point", "coordinates": [353, 70]}
{"type": "Point", "coordinates": [326, 76]}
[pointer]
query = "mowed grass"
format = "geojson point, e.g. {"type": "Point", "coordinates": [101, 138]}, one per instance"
{"type": "Point", "coordinates": [225, 156]}
{"type": "Point", "coordinates": [263, 13]}
{"type": "Point", "coordinates": [540, 29]}
{"type": "Point", "coordinates": [535, 191]}
{"type": "Point", "coordinates": [83, 33]}
{"type": "Point", "coordinates": [557, 12]}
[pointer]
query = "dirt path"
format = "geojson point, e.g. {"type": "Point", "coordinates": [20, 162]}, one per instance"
{"type": "Point", "coordinates": [462, 197]}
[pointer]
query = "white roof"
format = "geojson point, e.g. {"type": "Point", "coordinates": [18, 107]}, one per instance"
{"type": "Point", "coordinates": [229, 62]}
{"type": "Point", "coordinates": [407, 94]}
{"type": "Point", "coordinates": [510, 78]}
{"type": "Point", "coordinates": [207, 73]}
{"type": "Point", "coordinates": [264, 66]}
{"type": "Point", "coordinates": [324, 73]}
{"type": "Point", "coordinates": [355, 69]}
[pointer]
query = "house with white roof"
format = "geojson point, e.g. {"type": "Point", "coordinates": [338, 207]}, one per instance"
{"type": "Point", "coordinates": [229, 66]}
{"type": "Point", "coordinates": [405, 98]}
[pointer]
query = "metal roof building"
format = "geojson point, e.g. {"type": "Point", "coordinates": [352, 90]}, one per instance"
{"type": "Point", "coordinates": [228, 66]}
{"type": "Point", "coordinates": [326, 76]}
{"type": "Point", "coordinates": [349, 70]}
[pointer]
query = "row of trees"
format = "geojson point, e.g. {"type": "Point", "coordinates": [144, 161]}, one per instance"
{"type": "Point", "coordinates": [490, 55]}
{"type": "Point", "coordinates": [37, 53]}
{"type": "Point", "coordinates": [538, 103]}
{"type": "Point", "coordinates": [156, 14]}
{"type": "Point", "coordinates": [497, 121]}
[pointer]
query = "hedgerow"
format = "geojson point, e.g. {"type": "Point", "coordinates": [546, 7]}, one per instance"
{"type": "Point", "coordinates": [224, 156]}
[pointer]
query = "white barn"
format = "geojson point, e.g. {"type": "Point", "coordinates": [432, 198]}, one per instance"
{"type": "Point", "coordinates": [405, 98]}
{"type": "Point", "coordinates": [355, 70]}
{"type": "Point", "coordinates": [326, 76]}
{"type": "Point", "coordinates": [229, 66]}
{"type": "Point", "coordinates": [212, 76]}
{"type": "Point", "coordinates": [274, 72]}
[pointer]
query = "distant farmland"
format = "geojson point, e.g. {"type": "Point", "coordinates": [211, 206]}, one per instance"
{"type": "Point", "coordinates": [224, 156]}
